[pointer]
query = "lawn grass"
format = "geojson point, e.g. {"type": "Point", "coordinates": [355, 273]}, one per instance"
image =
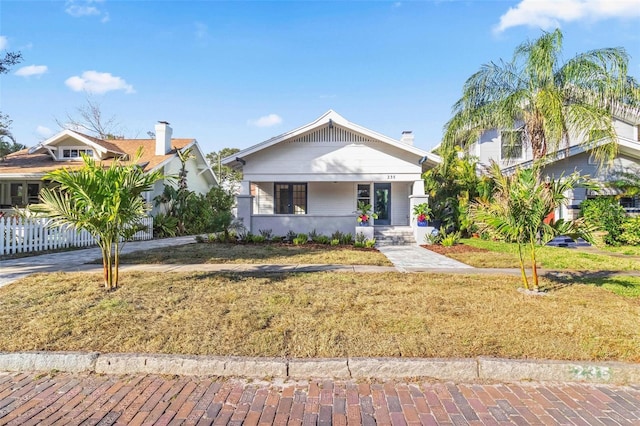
{"type": "Point", "coordinates": [282, 254]}
{"type": "Point", "coordinates": [624, 250]}
{"type": "Point", "coordinates": [319, 315]}
{"type": "Point", "coordinates": [505, 255]}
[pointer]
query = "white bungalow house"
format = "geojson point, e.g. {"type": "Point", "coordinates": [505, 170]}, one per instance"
{"type": "Point", "coordinates": [314, 176]}
{"type": "Point", "coordinates": [21, 173]}
{"type": "Point", "coordinates": [494, 145]}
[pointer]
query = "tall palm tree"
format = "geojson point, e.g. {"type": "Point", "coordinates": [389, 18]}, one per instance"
{"type": "Point", "coordinates": [107, 202]}
{"type": "Point", "coordinates": [549, 100]}
{"type": "Point", "coordinates": [518, 208]}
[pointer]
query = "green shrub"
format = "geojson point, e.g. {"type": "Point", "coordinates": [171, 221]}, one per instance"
{"type": "Point", "coordinates": [290, 236]}
{"type": "Point", "coordinates": [370, 243]}
{"type": "Point", "coordinates": [337, 236]}
{"type": "Point", "coordinates": [346, 239]}
{"type": "Point", "coordinates": [631, 231]}
{"type": "Point", "coordinates": [258, 239]}
{"type": "Point", "coordinates": [321, 239]}
{"type": "Point", "coordinates": [607, 214]}
{"type": "Point", "coordinates": [433, 237]}
{"type": "Point", "coordinates": [266, 233]}
{"type": "Point", "coordinates": [301, 239]}
{"type": "Point", "coordinates": [164, 226]}
{"type": "Point", "coordinates": [335, 242]}
{"type": "Point", "coordinates": [450, 239]}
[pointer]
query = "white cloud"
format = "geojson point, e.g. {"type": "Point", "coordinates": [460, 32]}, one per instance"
{"type": "Point", "coordinates": [548, 14]}
{"type": "Point", "coordinates": [82, 8]}
{"type": "Point", "coordinates": [43, 131]}
{"type": "Point", "coordinates": [3, 42]}
{"type": "Point", "coordinates": [98, 82]}
{"type": "Point", "coordinates": [266, 121]}
{"type": "Point", "coordinates": [31, 70]}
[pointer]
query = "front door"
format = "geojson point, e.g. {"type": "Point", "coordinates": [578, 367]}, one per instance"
{"type": "Point", "coordinates": [382, 203]}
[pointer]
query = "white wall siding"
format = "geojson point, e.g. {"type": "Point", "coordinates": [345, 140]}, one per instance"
{"type": "Point", "coordinates": [625, 130]}
{"type": "Point", "coordinates": [263, 198]}
{"type": "Point", "coordinates": [335, 161]}
{"type": "Point", "coordinates": [331, 198]}
{"type": "Point", "coordinates": [195, 180]}
{"type": "Point", "coordinates": [400, 203]}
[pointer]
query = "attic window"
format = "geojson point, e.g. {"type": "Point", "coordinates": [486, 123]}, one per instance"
{"type": "Point", "coordinates": [74, 153]}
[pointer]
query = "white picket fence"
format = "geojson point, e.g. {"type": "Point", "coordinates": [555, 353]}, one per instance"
{"type": "Point", "coordinates": [20, 235]}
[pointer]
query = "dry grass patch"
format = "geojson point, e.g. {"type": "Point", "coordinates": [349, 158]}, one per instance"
{"type": "Point", "coordinates": [505, 255]}
{"type": "Point", "coordinates": [282, 254]}
{"type": "Point", "coordinates": [318, 315]}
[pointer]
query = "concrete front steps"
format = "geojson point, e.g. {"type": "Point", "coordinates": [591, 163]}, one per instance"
{"type": "Point", "coordinates": [393, 235]}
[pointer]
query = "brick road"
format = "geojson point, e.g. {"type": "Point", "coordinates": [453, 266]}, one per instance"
{"type": "Point", "coordinates": [68, 399]}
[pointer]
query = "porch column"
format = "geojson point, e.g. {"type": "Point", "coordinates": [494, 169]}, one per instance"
{"type": "Point", "coordinates": [244, 204]}
{"type": "Point", "coordinates": [418, 197]}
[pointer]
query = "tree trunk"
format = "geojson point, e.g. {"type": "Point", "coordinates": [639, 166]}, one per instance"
{"type": "Point", "coordinates": [534, 267]}
{"type": "Point", "coordinates": [523, 273]}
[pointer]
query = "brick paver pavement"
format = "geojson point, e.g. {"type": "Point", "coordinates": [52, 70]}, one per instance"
{"type": "Point", "coordinates": [71, 399]}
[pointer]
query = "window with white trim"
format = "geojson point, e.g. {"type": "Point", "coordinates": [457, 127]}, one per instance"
{"type": "Point", "coordinates": [511, 147]}
{"type": "Point", "coordinates": [290, 198]}
{"type": "Point", "coordinates": [74, 153]}
{"type": "Point", "coordinates": [363, 194]}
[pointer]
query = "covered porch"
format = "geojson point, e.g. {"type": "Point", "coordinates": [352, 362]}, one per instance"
{"type": "Point", "coordinates": [325, 207]}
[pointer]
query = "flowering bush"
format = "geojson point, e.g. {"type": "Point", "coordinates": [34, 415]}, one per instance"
{"type": "Point", "coordinates": [422, 212]}
{"type": "Point", "coordinates": [365, 213]}
{"type": "Point", "coordinates": [363, 218]}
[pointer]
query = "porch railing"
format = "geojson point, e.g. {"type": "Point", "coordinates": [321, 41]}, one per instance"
{"type": "Point", "coordinates": [21, 235]}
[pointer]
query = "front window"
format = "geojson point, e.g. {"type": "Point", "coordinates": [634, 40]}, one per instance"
{"type": "Point", "coordinates": [17, 193]}
{"type": "Point", "coordinates": [23, 193]}
{"type": "Point", "coordinates": [511, 147]}
{"type": "Point", "coordinates": [74, 153]}
{"type": "Point", "coordinates": [290, 198]}
{"type": "Point", "coordinates": [364, 194]}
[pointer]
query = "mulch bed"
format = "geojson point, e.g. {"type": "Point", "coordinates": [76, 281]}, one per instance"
{"type": "Point", "coordinates": [458, 248]}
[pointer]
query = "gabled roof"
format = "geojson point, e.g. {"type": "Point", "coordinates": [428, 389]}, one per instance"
{"type": "Point", "coordinates": [37, 161]}
{"type": "Point", "coordinates": [330, 118]}
{"type": "Point", "coordinates": [98, 145]}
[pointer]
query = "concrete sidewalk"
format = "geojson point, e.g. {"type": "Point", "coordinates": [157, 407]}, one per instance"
{"type": "Point", "coordinates": [75, 260]}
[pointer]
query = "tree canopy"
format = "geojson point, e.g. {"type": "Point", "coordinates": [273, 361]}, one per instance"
{"type": "Point", "coordinates": [106, 201]}
{"type": "Point", "coordinates": [227, 177]}
{"type": "Point", "coordinates": [548, 100]}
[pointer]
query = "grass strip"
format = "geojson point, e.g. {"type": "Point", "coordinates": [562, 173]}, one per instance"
{"type": "Point", "coordinates": [282, 254]}
{"type": "Point", "coordinates": [319, 315]}
{"type": "Point", "coordinates": [504, 255]}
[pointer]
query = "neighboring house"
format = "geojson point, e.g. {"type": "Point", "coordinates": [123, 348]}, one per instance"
{"type": "Point", "coordinates": [22, 172]}
{"type": "Point", "coordinates": [506, 147]}
{"type": "Point", "coordinates": [313, 177]}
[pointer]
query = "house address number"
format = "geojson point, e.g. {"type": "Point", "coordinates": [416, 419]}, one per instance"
{"type": "Point", "coordinates": [391, 177]}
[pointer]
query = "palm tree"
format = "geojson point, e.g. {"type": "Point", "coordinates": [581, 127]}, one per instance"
{"type": "Point", "coordinates": [517, 212]}
{"type": "Point", "coordinates": [548, 100]}
{"type": "Point", "coordinates": [107, 202]}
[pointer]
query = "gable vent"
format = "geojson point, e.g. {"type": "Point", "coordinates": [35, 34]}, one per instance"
{"type": "Point", "coordinates": [333, 133]}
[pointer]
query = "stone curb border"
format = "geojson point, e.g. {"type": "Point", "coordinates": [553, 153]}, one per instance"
{"type": "Point", "coordinates": [460, 370]}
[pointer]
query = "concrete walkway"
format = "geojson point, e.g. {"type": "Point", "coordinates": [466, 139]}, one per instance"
{"type": "Point", "coordinates": [74, 260]}
{"type": "Point", "coordinates": [408, 258]}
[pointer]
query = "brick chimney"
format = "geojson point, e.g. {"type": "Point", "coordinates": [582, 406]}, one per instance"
{"type": "Point", "coordinates": [407, 137]}
{"type": "Point", "coordinates": [163, 138]}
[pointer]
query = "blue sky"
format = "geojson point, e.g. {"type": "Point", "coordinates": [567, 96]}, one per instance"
{"type": "Point", "coordinates": [232, 74]}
